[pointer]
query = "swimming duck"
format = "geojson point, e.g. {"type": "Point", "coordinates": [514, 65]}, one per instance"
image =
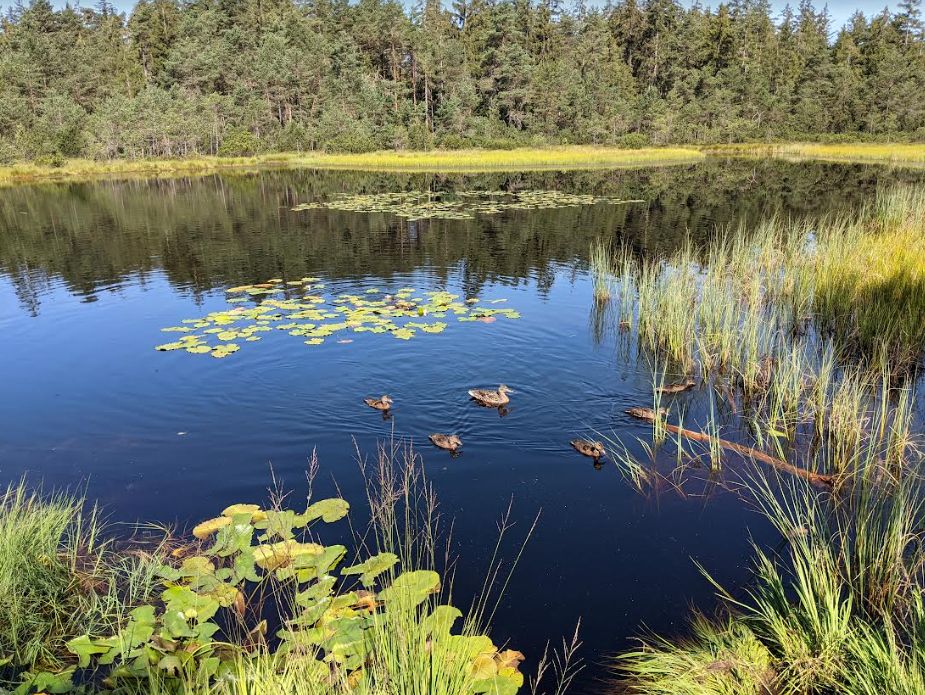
{"type": "Point", "coordinates": [450, 442]}
{"type": "Point", "coordinates": [645, 413]}
{"type": "Point", "coordinates": [383, 403]}
{"type": "Point", "coordinates": [493, 399]}
{"type": "Point", "coordinates": [677, 388]}
{"type": "Point", "coordinates": [588, 448]}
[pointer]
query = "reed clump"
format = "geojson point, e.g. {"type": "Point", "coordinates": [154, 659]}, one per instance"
{"type": "Point", "coordinates": [755, 300]}
{"type": "Point", "coordinates": [839, 609]}
{"type": "Point", "coordinates": [59, 577]}
{"type": "Point", "coordinates": [602, 271]}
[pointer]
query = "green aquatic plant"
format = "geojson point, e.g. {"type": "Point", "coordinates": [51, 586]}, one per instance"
{"type": "Point", "coordinates": [60, 576]}
{"type": "Point", "coordinates": [343, 619]}
{"type": "Point", "coordinates": [838, 608]}
{"type": "Point", "coordinates": [459, 205]}
{"type": "Point", "coordinates": [602, 270]}
{"type": "Point", "coordinates": [302, 309]}
{"type": "Point", "coordinates": [380, 623]}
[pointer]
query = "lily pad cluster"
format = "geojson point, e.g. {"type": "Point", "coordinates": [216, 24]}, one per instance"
{"type": "Point", "coordinates": [459, 205]}
{"type": "Point", "coordinates": [301, 309]}
{"type": "Point", "coordinates": [337, 623]}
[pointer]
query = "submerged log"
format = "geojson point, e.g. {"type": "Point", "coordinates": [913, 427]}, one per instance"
{"type": "Point", "coordinates": [648, 415]}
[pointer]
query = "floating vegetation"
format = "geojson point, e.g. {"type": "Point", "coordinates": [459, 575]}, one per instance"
{"type": "Point", "coordinates": [298, 308]}
{"type": "Point", "coordinates": [460, 205]}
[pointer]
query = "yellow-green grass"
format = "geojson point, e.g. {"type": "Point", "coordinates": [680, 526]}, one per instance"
{"type": "Point", "coordinates": [553, 158]}
{"type": "Point", "coordinates": [898, 154]}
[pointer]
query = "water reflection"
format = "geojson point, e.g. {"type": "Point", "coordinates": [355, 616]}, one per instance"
{"type": "Point", "coordinates": [231, 229]}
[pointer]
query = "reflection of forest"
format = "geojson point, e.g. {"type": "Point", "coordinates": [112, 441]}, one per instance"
{"type": "Point", "coordinates": [233, 229]}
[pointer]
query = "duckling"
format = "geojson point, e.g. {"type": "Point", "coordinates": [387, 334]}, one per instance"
{"type": "Point", "coordinates": [588, 448]}
{"type": "Point", "coordinates": [450, 442]}
{"type": "Point", "coordinates": [677, 388]}
{"type": "Point", "coordinates": [492, 399]}
{"type": "Point", "coordinates": [383, 403]}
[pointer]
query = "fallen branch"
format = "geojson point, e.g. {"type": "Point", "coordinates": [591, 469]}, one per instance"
{"type": "Point", "coordinates": [648, 415]}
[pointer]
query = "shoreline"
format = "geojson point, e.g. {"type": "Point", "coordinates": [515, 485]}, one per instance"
{"type": "Point", "coordinates": [433, 161]}
{"type": "Point", "coordinates": [469, 161]}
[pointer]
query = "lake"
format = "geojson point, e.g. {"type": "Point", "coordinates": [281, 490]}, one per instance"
{"type": "Point", "coordinates": [90, 273]}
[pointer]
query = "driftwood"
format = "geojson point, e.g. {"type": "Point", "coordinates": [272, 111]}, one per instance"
{"type": "Point", "coordinates": [816, 478]}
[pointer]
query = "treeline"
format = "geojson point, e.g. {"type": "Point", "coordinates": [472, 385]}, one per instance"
{"type": "Point", "coordinates": [178, 78]}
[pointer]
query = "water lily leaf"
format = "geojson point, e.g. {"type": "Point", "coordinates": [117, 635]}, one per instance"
{"type": "Point", "coordinates": [372, 568]}
{"type": "Point", "coordinates": [438, 327]}
{"type": "Point", "coordinates": [273, 556]}
{"type": "Point", "coordinates": [328, 510]}
{"type": "Point", "coordinates": [198, 349]}
{"type": "Point", "coordinates": [256, 514]}
{"type": "Point", "coordinates": [314, 341]}
{"type": "Point", "coordinates": [316, 592]}
{"type": "Point", "coordinates": [499, 684]}
{"type": "Point", "coordinates": [170, 346]}
{"type": "Point", "coordinates": [207, 528]}
{"type": "Point", "coordinates": [439, 623]}
{"type": "Point", "coordinates": [403, 334]}
{"type": "Point", "coordinates": [414, 586]}
{"type": "Point", "coordinates": [85, 648]}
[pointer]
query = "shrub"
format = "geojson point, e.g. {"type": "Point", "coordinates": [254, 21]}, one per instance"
{"type": "Point", "coordinates": [238, 143]}
{"type": "Point", "coordinates": [55, 160]}
{"type": "Point", "coordinates": [635, 141]}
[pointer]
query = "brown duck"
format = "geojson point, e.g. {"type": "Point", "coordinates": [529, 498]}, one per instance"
{"type": "Point", "coordinates": [493, 399]}
{"type": "Point", "coordinates": [677, 388]}
{"type": "Point", "coordinates": [645, 413]}
{"type": "Point", "coordinates": [450, 442]}
{"type": "Point", "coordinates": [588, 448]}
{"type": "Point", "coordinates": [383, 403]}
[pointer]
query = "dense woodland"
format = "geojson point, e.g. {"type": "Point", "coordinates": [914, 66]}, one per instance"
{"type": "Point", "coordinates": [178, 78]}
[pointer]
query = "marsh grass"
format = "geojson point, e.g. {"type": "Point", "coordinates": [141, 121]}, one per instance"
{"type": "Point", "coordinates": [60, 577]}
{"type": "Point", "coordinates": [815, 328]}
{"type": "Point", "coordinates": [602, 271]}
{"type": "Point", "coordinates": [838, 608]}
{"type": "Point", "coordinates": [551, 158]}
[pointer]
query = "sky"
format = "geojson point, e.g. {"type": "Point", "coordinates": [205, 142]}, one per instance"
{"type": "Point", "coordinates": [840, 10]}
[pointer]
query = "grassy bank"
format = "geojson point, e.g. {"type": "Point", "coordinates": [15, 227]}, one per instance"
{"type": "Point", "coordinates": [837, 609]}
{"type": "Point", "coordinates": [802, 341]}
{"type": "Point", "coordinates": [809, 336]}
{"type": "Point", "coordinates": [251, 602]}
{"type": "Point", "coordinates": [462, 161]}
{"type": "Point", "coordinates": [899, 154]}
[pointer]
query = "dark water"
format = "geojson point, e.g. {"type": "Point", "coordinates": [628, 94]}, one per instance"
{"type": "Point", "coordinates": [89, 273]}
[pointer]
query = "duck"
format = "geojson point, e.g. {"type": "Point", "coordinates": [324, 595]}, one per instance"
{"type": "Point", "coordinates": [677, 388]}
{"type": "Point", "coordinates": [645, 413]}
{"type": "Point", "coordinates": [588, 448]}
{"type": "Point", "coordinates": [493, 399]}
{"type": "Point", "coordinates": [450, 442]}
{"type": "Point", "coordinates": [383, 403]}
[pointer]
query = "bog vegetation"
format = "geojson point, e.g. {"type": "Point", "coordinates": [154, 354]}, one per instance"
{"type": "Point", "coordinates": [175, 79]}
{"type": "Point", "coordinates": [253, 601]}
{"type": "Point", "coordinates": [808, 337]}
